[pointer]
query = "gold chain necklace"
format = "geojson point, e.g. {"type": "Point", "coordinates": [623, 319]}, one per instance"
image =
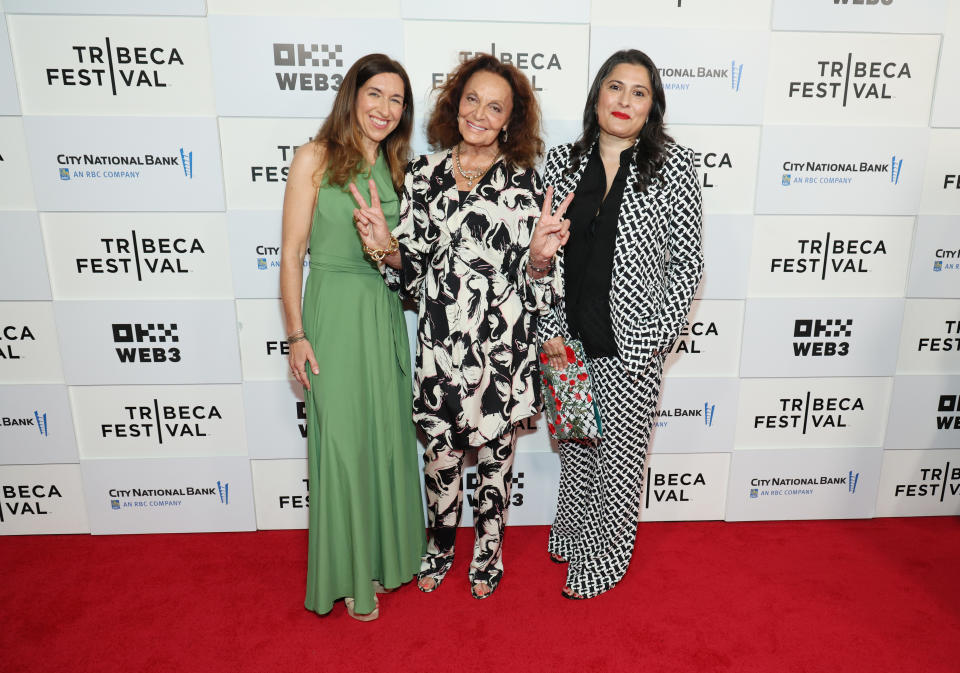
{"type": "Point", "coordinates": [470, 176]}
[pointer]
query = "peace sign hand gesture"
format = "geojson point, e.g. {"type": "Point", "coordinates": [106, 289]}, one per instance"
{"type": "Point", "coordinates": [369, 220]}
{"type": "Point", "coordinates": [552, 231]}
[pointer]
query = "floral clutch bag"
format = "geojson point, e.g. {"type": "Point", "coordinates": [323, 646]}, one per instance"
{"type": "Point", "coordinates": [570, 409]}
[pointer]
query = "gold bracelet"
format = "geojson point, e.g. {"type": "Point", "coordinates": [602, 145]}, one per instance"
{"type": "Point", "coordinates": [298, 335]}
{"type": "Point", "coordinates": [378, 255]}
{"type": "Point", "coordinates": [541, 269]}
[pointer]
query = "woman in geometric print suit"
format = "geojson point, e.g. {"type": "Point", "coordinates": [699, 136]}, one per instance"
{"type": "Point", "coordinates": [630, 270]}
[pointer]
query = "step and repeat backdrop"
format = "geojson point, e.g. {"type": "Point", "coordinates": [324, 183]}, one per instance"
{"type": "Point", "coordinates": [144, 148]}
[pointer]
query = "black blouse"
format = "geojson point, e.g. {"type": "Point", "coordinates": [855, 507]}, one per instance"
{"type": "Point", "coordinates": [588, 255]}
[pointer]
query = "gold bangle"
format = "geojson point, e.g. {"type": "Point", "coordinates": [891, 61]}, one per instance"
{"type": "Point", "coordinates": [378, 255]}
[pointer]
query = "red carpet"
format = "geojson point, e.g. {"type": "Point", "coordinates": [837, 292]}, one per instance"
{"type": "Point", "coordinates": [849, 596]}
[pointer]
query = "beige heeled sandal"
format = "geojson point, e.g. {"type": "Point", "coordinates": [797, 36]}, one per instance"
{"type": "Point", "coordinates": [369, 617]}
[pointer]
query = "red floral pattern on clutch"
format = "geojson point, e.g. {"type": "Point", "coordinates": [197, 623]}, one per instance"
{"type": "Point", "coordinates": [577, 415]}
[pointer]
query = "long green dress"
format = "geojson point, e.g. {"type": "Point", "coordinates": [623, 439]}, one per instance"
{"type": "Point", "coordinates": [366, 511]}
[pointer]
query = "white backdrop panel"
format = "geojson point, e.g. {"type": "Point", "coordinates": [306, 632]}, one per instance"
{"type": "Point", "coordinates": [829, 483]}
{"type": "Point", "coordinates": [919, 483]}
{"type": "Point", "coordinates": [686, 487]}
{"type": "Point", "coordinates": [272, 66]}
{"type": "Point", "coordinates": [946, 97]}
{"type": "Point", "coordinates": [112, 65]}
{"type": "Point", "coordinates": [685, 14]}
{"type": "Point", "coordinates": [301, 8]}
{"type": "Point", "coordinates": [256, 158]}
{"type": "Point", "coordinates": [552, 56]}
{"type": "Point", "coordinates": [276, 419]}
{"type": "Point", "coordinates": [125, 163]}
{"type": "Point", "coordinates": [159, 421]}
{"type": "Point", "coordinates": [794, 413]}
{"type": "Point", "coordinates": [881, 16]}
{"type": "Point", "coordinates": [710, 77]}
{"type": "Point", "coordinates": [16, 187]}
{"type": "Point", "coordinates": [168, 495]}
{"type": "Point", "coordinates": [709, 344]}
{"type": "Point", "coordinates": [36, 425]}
{"type": "Point", "coordinates": [935, 270]}
{"type": "Point", "coordinates": [821, 337]}
{"type": "Point", "coordinates": [138, 255]}
{"type": "Point", "coordinates": [23, 274]}
{"type": "Point", "coordinates": [108, 342]}
{"type": "Point", "coordinates": [875, 80]}
{"type": "Point", "coordinates": [814, 256]}
{"type": "Point", "coordinates": [726, 256]}
{"type": "Point", "coordinates": [137, 7]}
{"type": "Point", "coordinates": [255, 237]}
{"type": "Point", "coordinates": [263, 342]}
{"type": "Point", "coordinates": [28, 343]}
{"type": "Point", "coordinates": [930, 343]}
{"type": "Point", "coordinates": [695, 415]}
{"type": "Point", "coordinates": [280, 490]}
{"type": "Point", "coordinates": [41, 500]}
{"type": "Point", "coordinates": [9, 98]}
{"type": "Point", "coordinates": [941, 184]}
{"type": "Point", "coordinates": [726, 161]}
{"type": "Point", "coordinates": [924, 413]}
{"type": "Point", "coordinates": [538, 11]}
{"type": "Point", "coordinates": [839, 171]}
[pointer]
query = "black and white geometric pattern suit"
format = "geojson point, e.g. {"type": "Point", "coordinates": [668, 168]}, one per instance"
{"type": "Point", "coordinates": [657, 264]}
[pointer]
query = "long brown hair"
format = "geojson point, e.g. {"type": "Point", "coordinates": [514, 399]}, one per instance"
{"type": "Point", "coordinates": [523, 144]}
{"type": "Point", "coordinates": [340, 138]}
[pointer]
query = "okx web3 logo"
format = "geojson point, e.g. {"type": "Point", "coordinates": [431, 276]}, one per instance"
{"type": "Point", "coordinates": [822, 338]}
{"type": "Point", "coordinates": [146, 333]}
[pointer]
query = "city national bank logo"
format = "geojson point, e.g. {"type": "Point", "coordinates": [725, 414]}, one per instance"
{"type": "Point", "coordinates": [947, 342]}
{"type": "Point", "coordinates": [671, 486]}
{"type": "Point", "coordinates": [828, 255]}
{"type": "Point", "coordinates": [160, 422]}
{"type": "Point", "coordinates": [681, 79]}
{"type": "Point", "coordinates": [531, 64]}
{"type": "Point", "coordinates": [117, 67]}
{"type": "Point", "coordinates": [798, 173]}
{"type": "Point", "coordinates": [297, 65]}
{"type": "Point", "coordinates": [142, 255]}
{"type": "Point", "coordinates": [809, 413]}
{"type": "Point", "coordinates": [119, 167]}
{"type": "Point", "coordinates": [801, 486]}
{"type": "Point", "coordinates": [936, 483]}
{"type": "Point", "coordinates": [38, 421]}
{"type": "Point", "coordinates": [948, 412]}
{"type": "Point", "coordinates": [11, 336]}
{"type": "Point", "coordinates": [849, 80]}
{"type": "Point", "coordinates": [27, 499]}
{"type": "Point", "coordinates": [664, 416]}
{"type": "Point", "coordinates": [166, 498]}
{"type": "Point", "coordinates": [473, 482]}
{"type": "Point", "coordinates": [140, 333]}
{"type": "Point", "coordinates": [822, 338]}
{"type": "Point", "coordinates": [268, 257]}
{"type": "Point", "coordinates": [953, 257]}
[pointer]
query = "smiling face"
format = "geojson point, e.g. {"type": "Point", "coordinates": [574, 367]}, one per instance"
{"type": "Point", "coordinates": [379, 106]}
{"type": "Point", "coordinates": [625, 99]}
{"type": "Point", "coordinates": [485, 107]}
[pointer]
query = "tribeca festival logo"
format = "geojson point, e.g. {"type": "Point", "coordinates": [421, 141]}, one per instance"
{"type": "Point", "coordinates": [27, 499]}
{"type": "Point", "coordinates": [671, 486]}
{"type": "Point", "coordinates": [151, 419]}
{"type": "Point", "coordinates": [850, 79]}
{"type": "Point", "coordinates": [141, 255]}
{"type": "Point", "coordinates": [275, 172]}
{"type": "Point", "coordinates": [808, 172]}
{"type": "Point", "coordinates": [116, 67]}
{"type": "Point", "coordinates": [828, 255]}
{"type": "Point", "coordinates": [949, 342]}
{"type": "Point", "coordinates": [801, 486]}
{"type": "Point", "coordinates": [948, 412]}
{"type": "Point", "coordinates": [113, 167]}
{"type": "Point", "coordinates": [821, 338]}
{"type": "Point", "coordinates": [38, 420]}
{"type": "Point", "coordinates": [300, 61]}
{"type": "Point", "coordinates": [710, 161]}
{"type": "Point", "coordinates": [140, 333]}
{"type": "Point", "coordinates": [10, 337]}
{"type": "Point", "coordinates": [531, 64]}
{"type": "Point", "coordinates": [473, 481]}
{"type": "Point", "coordinates": [122, 498]}
{"type": "Point", "coordinates": [934, 482]}
{"type": "Point", "coordinates": [682, 78]}
{"type": "Point", "coordinates": [696, 330]}
{"type": "Point", "coordinates": [809, 413]}
{"type": "Point", "coordinates": [863, 2]}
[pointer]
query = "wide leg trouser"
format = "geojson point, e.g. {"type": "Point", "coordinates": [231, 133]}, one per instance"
{"type": "Point", "coordinates": [598, 503]}
{"type": "Point", "coordinates": [443, 468]}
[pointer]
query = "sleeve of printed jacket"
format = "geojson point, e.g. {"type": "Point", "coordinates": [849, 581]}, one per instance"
{"type": "Point", "coordinates": [538, 294]}
{"type": "Point", "coordinates": [685, 266]}
{"type": "Point", "coordinates": [411, 236]}
{"type": "Point", "coordinates": [551, 323]}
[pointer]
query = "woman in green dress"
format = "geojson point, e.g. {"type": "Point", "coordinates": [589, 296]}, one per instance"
{"type": "Point", "coordinates": [349, 349]}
